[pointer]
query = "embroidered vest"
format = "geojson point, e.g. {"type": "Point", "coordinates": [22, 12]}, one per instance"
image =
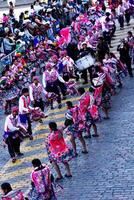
{"type": "Point", "coordinates": [51, 76]}
{"type": "Point", "coordinates": [37, 91]}
{"type": "Point", "coordinates": [15, 195]}
{"type": "Point", "coordinates": [42, 180]}
{"type": "Point", "coordinates": [26, 101]}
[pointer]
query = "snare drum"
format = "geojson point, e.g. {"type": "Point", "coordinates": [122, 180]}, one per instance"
{"type": "Point", "coordinates": [85, 62]}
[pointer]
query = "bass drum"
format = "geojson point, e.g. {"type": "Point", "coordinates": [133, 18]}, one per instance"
{"type": "Point", "coordinates": [85, 62]}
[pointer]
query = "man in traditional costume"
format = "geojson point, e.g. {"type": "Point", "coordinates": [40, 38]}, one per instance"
{"type": "Point", "coordinates": [36, 91]}
{"type": "Point", "coordinates": [51, 80]}
{"type": "Point", "coordinates": [12, 134]}
{"type": "Point", "coordinates": [24, 111]}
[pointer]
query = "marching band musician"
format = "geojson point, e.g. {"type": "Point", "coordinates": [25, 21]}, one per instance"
{"type": "Point", "coordinates": [83, 52]}
{"type": "Point", "coordinates": [68, 63]}
{"type": "Point", "coordinates": [11, 134]}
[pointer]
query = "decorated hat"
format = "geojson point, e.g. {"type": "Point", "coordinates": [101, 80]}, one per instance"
{"type": "Point", "coordinates": [62, 53]}
{"type": "Point", "coordinates": [36, 78]}
{"type": "Point", "coordinates": [15, 109]}
{"type": "Point", "coordinates": [54, 57]}
{"type": "Point", "coordinates": [48, 65]}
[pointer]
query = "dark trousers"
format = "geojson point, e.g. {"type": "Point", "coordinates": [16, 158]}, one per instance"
{"type": "Point", "coordinates": [121, 21]}
{"type": "Point", "coordinates": [62, 87]}
{"type": "Point", "coordinates": [29, 129]}
{"type": "Point", "coordinates": [85, 76]}
{"type": "Point", "coordinates": [8, 106]}
{"type": "Point", "coordinates": [53, 87]}
{"type": "Point", "coordinates": [127, 61]}
{"type": "Point", "coordinates": [127, 16]}
{"type": "Point", "coordinates": [129, 67]}
{"type": "Point", "coordinates": [107, 37]}
{"type": "Point", "coordinates": [13, 145]}
{"type": "Point", "coordinates": [39, 104]}
{"type": "Point", "coordinates": [113, 30]}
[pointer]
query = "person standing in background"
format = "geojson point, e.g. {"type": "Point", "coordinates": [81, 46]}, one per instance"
{"type": "Point", "coordinates": [11, 5]}
{"type": "Point", "coordinates": [120, 12]}
{"type": "Point", "coordinates": [125, 58]}
{"type": "Point", "coordinates": [127, 5]}
{"type": "Point", "coordinates": [130, 40]}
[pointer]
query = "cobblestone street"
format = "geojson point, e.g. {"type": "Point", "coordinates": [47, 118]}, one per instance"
{"type": "Point", "coordinates": [107, 171]}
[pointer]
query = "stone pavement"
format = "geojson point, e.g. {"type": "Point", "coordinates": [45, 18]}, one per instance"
{"type": "Point", "coordinates": [106, 173]}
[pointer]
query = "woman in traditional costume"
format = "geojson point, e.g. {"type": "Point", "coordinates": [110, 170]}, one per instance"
{"type": "Point", "coordinates": [88, 111]}
{"type": "Point", "coordinates": [11, 194]}
{"type": "Point", "coordinates": [58, 150]}
{"type": "Point", "coordinates": [72, 127]}
{"type": "Point", "coordinates": [41, 182]}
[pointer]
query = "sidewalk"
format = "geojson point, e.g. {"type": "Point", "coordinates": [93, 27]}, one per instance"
{"type": "Point", "coordinates": [3, 4]}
